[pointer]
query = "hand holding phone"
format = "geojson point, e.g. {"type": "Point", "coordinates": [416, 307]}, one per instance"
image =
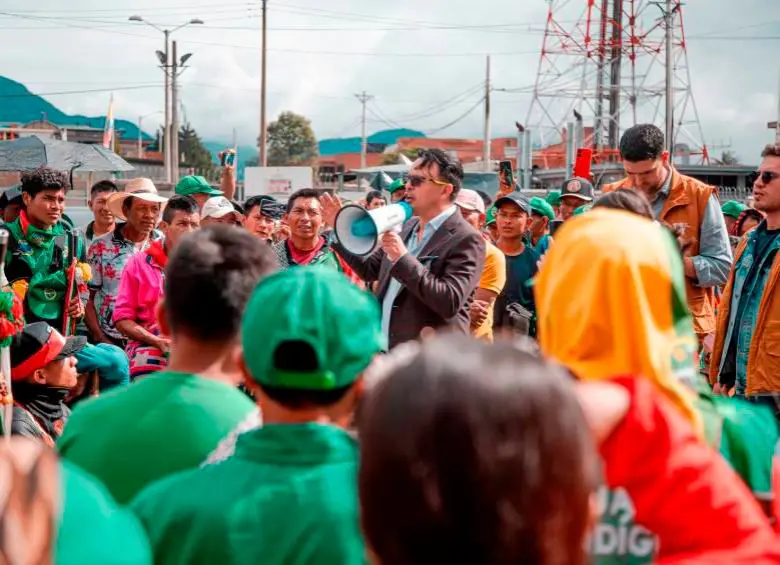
{"type": "Point", "coordinates": [506, 181]}
{"type": "Point", "coordinates": [227, 157]}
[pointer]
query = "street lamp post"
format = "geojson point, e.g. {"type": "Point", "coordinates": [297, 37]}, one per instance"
{"type": "Point", "coordinates": [169, 144]}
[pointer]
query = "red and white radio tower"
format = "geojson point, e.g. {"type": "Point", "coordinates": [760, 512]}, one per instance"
{"type": "Point", "coordinates": [614, 68]}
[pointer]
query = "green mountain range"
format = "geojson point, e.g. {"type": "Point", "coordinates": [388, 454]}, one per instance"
{"type": "Point", "coordinates": [20, 106]}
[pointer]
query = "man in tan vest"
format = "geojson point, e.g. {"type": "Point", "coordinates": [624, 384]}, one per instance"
{"type": "Point", "coordinates": [678, 199]}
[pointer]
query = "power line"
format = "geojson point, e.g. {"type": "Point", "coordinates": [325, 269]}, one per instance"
{"type": "Point", "coordinates": [145, 9]}
{"type": "Point", "coordinates": [85, 91]}
{"type": "Point", "coordinates": [458, 119]}
{"type": "Point", "coordinates": [122, 22]}
{"type": "Point", "coordinates": [439, 107]}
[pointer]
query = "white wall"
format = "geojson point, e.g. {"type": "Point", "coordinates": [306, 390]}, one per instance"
{"type": "Point", "coordinates": [276, 180]}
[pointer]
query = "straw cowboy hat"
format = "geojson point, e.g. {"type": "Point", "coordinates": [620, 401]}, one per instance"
{"type": "Point", "coordinates": [141, 188]}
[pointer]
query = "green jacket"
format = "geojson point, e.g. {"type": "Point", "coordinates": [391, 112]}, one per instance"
{"type": "Point", "coordinates": [288, 496]}
{"type": "Point", "coordinates": [42, 262]}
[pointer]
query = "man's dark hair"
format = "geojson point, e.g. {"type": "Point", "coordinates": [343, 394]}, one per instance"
{"type": "Point", "coordinates": [209, 278]}
{"type": "Point", "coordinates": [179, 203]}
{"type": "Point", "coordinates": [450, 170]}
{"type": "Point", "coordinates": [374, 195]}
{"type": "Point", "coordinates": [642, 142]}
{"type": "Point", "coordinates": [44, 178]}
{"type": "Point", "coordinates": [102, 186]}
{"type": "Point", "coordinates": [299, 399]}
{"type": "Point", "coordinates": [302, 193]}
{"type": "Point", "coordinates": [433, 427]}
{"type": "Point", "coordinates": [771, 150]}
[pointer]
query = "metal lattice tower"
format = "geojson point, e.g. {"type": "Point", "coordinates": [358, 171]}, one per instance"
{"type": "Point", "coordinates": [609, 67]}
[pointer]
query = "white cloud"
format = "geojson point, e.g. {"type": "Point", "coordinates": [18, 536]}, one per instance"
{"type": "Point", "coordinates": [734, 86]}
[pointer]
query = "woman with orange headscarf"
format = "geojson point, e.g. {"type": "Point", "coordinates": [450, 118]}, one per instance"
{"type": "Point", "coordinates": [612, 307]}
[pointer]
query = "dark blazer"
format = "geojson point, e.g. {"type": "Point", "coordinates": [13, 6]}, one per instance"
{"type": "Point", "coordinates": [437, 285]}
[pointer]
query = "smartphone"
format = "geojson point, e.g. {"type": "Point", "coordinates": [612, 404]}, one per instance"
{"type": "Point", "coordinates": [228, 158]}
{"type": "Point", "coordinates": [506, 179]}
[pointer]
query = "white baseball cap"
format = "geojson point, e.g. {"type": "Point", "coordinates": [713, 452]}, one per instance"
{"type": "Point", "coordinates": [218, 207]}
{"type": "Point", "coordinates": [470, 200]}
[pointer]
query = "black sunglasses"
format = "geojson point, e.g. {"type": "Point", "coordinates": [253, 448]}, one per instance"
{"type": "Point", "coordinates": [765, 176]}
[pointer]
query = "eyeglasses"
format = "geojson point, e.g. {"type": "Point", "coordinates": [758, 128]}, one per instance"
{"type": "Point", "coordinates": [766, 176]}
{"type": "Point", "coordinates": [417, 180]}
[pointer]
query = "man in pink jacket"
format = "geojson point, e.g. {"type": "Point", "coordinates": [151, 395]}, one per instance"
{"type": "Point", "coordinates": [142, 286]}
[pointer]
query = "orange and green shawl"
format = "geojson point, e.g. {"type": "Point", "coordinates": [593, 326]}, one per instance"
{"type": "Point", "coordinates": [610, 301]}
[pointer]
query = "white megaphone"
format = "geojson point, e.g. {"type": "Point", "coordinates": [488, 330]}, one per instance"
{"type": "Point", "coordinates": [358, 229]}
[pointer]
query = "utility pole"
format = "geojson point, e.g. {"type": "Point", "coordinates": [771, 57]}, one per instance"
{"type": "Point", "coordinates": [165, 63]}
{"type": "Point", "coordinates": [487, 117]}
{"type": "Point", "coordinates": [668, 24]}
{"type": "Point", "coordinates": [364, 98]}
{"type": "Point", "coordinates": [175, 117]}
{"type": "Point", "coordinates": [167, 119]}
{"type": "Point", "coordinates": [263, 160]}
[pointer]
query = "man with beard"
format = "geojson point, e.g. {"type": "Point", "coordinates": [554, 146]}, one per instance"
{"type": "Point", "coordinates": [678, 199]}
{"type": "Point", "coordinates": [747, 338]}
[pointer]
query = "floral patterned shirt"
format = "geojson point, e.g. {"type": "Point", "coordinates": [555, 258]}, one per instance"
{"type": "Point", "coordinates": [108, 255]}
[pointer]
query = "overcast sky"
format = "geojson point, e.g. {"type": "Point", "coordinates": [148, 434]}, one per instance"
{"type": "Point", "coordinates": [413, 56]}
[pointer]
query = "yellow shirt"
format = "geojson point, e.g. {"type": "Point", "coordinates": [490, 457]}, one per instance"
{"type": "Point", "coordinates": [493, 278]}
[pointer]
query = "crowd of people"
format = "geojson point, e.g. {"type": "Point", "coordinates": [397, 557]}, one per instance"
{"type": "Point", "coordinates": [573, 379]}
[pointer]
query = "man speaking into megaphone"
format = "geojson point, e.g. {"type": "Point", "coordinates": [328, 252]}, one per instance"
{"type": "Point", "coordinates": [426, 258]}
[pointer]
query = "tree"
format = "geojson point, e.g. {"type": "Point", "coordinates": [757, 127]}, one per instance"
{"type": "Point", "coordinates": [191, 147]}
{"type": "Point", "coordinates": [729, 158]}
{"type": "Point", "coordinates": [393, 158]}
{"type": "Point", "coordinates": [291, 141]}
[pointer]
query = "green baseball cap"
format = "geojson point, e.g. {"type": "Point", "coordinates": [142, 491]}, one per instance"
{"type": "Point", "coordinates": [396, 185]}
{"type": "Point", "coordinates": [490, 216]}
{"type": "Point", "coordinates": [554, 198]}
{"type": "Point", "coordinates": [542, 207]}
{"type": "Point", "coordinates": [733, 208]}
{"type": "Point", "coordinates": [192, 184]}
{"type": "Point", "coordinates": [319, 307]}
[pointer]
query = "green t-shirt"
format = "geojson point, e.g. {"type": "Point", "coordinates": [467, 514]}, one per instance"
{"type": "Point", "coordinates": [92, 529]}
{"type": "Point", "coordinates": [155, 427]}
{"type": "Point", "coordinates": [287, 496]}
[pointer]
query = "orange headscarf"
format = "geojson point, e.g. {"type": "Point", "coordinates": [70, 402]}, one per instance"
{"type": "Point", "coordinates": [611, 301]}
